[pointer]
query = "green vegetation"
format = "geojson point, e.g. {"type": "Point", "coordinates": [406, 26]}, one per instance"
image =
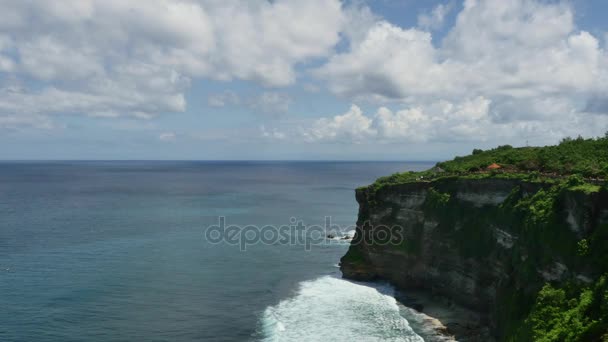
{"type": "Point", "coordinates": [583, 248]}
{"type": "Point", "coordinates": [436, 199]}
{"type": "Point", "coordinates": [583, 158]}
{"type": "Point", "coordinates": [529, 308]}
{"type": "Point", "coordinates": [403, 178]}
{"type": "Point", "coordinates": [596, 254]}
{"type": "Point", "coordinates": [586, 188]}
{"type": "Point", "coordinates": [538, 208]}
{"type": "Point", "coordinates": [587, 157]}
{"type": "Point", "coordinates": [572, 313]}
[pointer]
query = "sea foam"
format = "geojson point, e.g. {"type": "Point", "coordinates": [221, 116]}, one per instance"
{"type": "Point", "coordinates": [332, 309]}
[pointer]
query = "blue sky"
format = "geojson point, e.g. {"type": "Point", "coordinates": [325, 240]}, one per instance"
{"type": "Point", "coordinates": [321, 79]}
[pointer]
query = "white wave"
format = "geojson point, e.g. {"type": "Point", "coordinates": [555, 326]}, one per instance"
{"type": "Point", "coordinates": [331, 309]}
{"type": "Point", "coordinates": [342, 239]}
{"type": "Point", "coordinates": [350, 233]}
{"type": "Point", "coordinates": [345, 236]}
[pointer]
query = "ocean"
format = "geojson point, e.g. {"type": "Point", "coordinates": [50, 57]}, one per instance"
{"type": "Point", "coordinates": [120, 251]}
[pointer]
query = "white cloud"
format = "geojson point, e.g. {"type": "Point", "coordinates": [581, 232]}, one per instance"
{"type": "Point", "coordinates": [351, 126]}
{"type": "Point", "coordinates": [311, 88]}
{"type": "Point", "coordinates": [359, 19]}
{"type": "Point", "coordinates": [223, 99]}
{"type": "Point", "coordinates": [525, 57]}
{"type": "Point", "coordinates": [435, 18]}
{"type": "Point", "coordinates": [272, 133]}
{"type": "Point", "coordinates": [125, 57]}
{"type": "Point", "coordinates": [534, 71]}
{"type": "Point", "coordinates": [519, 66]}
{"type": "Point", "coordinates": [271, 103]}
{"type": "Point", "coordinates": [110, 100]}
{"type": "Point", "coordinates": [439, 121]}
{"type": "Point", "coordinates": [36, 121]}
{"type": "Point", "coordinates": [389, 62]}
{"type": "Point", "coordinates": [267, 102]}
{"type": "Point", "coordinates": [167, 136]}
{"type": "Point", "coordinates": [6, 63]}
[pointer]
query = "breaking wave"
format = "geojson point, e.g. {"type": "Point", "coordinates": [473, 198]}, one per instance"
{"type": "Point", "coordinates": [332, 309]}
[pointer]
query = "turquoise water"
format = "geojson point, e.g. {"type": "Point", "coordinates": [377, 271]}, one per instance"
{"type": "Point", "coordinates": [116, 251]}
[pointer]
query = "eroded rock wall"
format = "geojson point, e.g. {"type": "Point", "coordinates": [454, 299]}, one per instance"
{"type": "Point", "coordinates": [469, 240]}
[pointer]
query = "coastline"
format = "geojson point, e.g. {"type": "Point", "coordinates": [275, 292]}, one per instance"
{"type": "Point", "coordinates": [437, 319]}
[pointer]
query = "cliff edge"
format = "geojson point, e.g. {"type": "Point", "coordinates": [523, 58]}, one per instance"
{"type": "Point", "coordinates": [527, 249]}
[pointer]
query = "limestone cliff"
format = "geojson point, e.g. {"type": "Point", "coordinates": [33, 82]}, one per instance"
{"type": "Point", "coordinates": [487, 243]}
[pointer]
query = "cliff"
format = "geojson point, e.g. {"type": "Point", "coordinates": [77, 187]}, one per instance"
{"type": "Point", "coordinates": [527, 252]}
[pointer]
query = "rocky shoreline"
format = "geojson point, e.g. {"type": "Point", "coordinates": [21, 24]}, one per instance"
{"type": "Point", "coordinates": [475, 243]}
{"type": "Point", "coordinates": [437, 319]}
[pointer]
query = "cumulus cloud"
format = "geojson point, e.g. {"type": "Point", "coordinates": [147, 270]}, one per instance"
{"type": "Point", "coordinates": [436, 17]}
{"type": "Point", "coordinates": [469, 120]}
{"type": "Point", "coordinates": [351, 126]}
{"type": "Point", "coordinates": [438, 121]}
{"type": "Point", "coordinates": [526, 56]}
{"type": "Point", "coordinates": [390, 62]}
{"type": "Point", "coordinates": [112, 58]}
{"type": "Point", "coordinates": [512, 68]}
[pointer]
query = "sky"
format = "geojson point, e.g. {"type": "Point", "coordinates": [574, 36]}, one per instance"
{"type": "Point", "coordinates": [297, 80]}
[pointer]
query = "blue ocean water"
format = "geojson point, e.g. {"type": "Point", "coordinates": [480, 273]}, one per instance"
{"type": "Point", "coordinates": [116, 251]}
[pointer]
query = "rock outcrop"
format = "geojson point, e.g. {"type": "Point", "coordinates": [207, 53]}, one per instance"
{"type": "Point", "coordinates": [488, 244]}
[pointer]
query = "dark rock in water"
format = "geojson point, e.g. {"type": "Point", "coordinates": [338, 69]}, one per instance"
{"type": "Point", "coordinates": [418, 307]}
{"type": "Point", "coordinates": [331, 236]}
{"type": "Point", "coordinates": [408, 301]}
{"type": "Point", "coordinates": [469, 333]}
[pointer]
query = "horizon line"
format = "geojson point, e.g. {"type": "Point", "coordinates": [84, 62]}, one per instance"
{"type": "Point", "coordinates": [220, 160]}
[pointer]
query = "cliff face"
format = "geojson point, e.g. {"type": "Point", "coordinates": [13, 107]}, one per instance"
{"type": "Point", "coordinates": [488, 244]}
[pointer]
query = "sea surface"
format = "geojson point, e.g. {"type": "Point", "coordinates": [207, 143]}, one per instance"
{"type": "Point", "coordinates": [118, 251]}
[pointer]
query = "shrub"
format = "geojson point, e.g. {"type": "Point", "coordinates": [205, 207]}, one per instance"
{"type": "Point", "coordinates": [588, 157]}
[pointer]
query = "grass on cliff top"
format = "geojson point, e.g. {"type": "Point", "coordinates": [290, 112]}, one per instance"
{"type": "Point", "coordinates": [585, 157]}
